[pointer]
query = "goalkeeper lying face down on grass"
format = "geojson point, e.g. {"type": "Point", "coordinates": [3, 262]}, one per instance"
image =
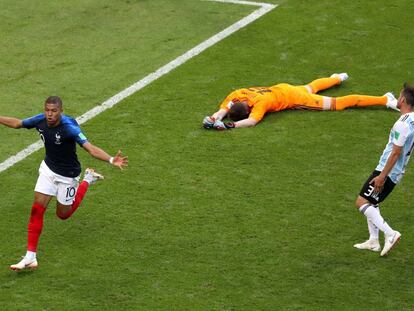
{"type": "Point", "coordinates": [247, 107]}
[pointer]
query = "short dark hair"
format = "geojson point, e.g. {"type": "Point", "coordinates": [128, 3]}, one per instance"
{"type": "Point", "coordinates": [408, 93]}
{"type": "Point", "coordinates": [54, 100]}
{"type": "Point", "coordinates": [239, 111]}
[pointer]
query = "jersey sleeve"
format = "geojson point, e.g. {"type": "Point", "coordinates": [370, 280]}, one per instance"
{"type": "Point", "coordinates": [227, 103]}
{"type": "Point", "coordinates": [401, 132]}
{"type": "Point", "coordinates": [259, 110]}
{"type": "Point", "coordinates": [81, 138]}
{"type": "Point", "coordinates": [77, 133]}
{"type": "Point", "coordinates": [31, 122]}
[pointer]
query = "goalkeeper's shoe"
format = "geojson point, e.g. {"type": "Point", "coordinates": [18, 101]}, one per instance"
{"type": "Point", "coordinates": [91, 176]}
{"type": "Point", "coordinates": [390, 241]}
{"type": "Point", "coordinates": [371, 244]}
{"type": "Point", "coordinates": [391, 101]}
{"type": "Point", "coordinates": [342, 76]}
{"type": "Point", "coordinates": [25, 264]}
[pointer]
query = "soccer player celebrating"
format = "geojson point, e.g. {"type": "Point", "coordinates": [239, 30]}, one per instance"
{"type": "Point", "coordinates": [59, 173]}
{"type": "Point", "coordinates": [387, 174]}
{"type": "Point", "coordinates": [247, 107]}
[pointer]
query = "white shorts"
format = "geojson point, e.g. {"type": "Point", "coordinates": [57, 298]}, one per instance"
{"type": "Point", "coordinates": [61, 187]}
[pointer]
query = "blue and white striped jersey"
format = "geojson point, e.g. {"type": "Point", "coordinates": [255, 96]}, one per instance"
{"type": "Point", "coordinates": [402, 134]}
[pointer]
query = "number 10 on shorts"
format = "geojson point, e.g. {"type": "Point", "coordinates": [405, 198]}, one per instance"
{"type": "Point", "coordinates": [70, 192]}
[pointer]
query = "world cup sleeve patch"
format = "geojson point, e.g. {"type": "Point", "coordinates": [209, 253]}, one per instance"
{"type": "Point", "coordinates": [396, 135]}
{"type": "Point", "coordinates": [82, 136]}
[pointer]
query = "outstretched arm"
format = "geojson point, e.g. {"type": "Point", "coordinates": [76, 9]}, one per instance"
{"type": "Point", "coordinates": [220, 125]}
{"type": "Point", "coordinates": [11, 122]}
{"type": "Point", "coordinates": [245, 123]}
{"type": "Point", "coordinates": [118, 160]}
{"type": "Point", "coordinates": [219, 115]}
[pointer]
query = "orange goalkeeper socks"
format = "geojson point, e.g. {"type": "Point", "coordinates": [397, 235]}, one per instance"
{"type": "Point", "coordinates": [340, 103]}
{"type": "Point", "coordinates": [323, 84]}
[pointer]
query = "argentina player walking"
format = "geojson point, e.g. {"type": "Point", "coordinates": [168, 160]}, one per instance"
{"type": "Point", "coordinates": [387, 174]}
{"type": "Point", "coordinates": [59, 172]}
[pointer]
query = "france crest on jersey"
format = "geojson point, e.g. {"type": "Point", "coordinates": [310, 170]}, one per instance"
{"type": "Point", "coordinates": [60, 143]}
{"type": "Point", "coordinates": [402, 135]}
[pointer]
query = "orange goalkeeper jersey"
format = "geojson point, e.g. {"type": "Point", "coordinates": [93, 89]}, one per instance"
{"type": "Point", "coordinates": [274, 98]}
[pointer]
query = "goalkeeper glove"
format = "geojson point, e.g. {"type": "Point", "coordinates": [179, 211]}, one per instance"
{"type": "Point", "coordinates": [220, 125]}
{"type": "Point", "coordinates": [208, 122]}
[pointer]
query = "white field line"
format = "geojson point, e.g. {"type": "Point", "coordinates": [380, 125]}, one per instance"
{"type": "Point", "coordinates": [254, 3]}
{"type": "Point", "coordinates": [109, 103]}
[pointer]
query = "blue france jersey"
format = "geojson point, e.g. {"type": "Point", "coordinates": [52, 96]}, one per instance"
{"type": "Point", "coordinates": [60, 143]}
{"type": "Point", "coordinates": [402, 135]}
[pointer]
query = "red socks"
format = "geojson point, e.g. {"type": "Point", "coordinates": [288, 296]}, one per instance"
{"type": "Point", "coordinates": [34, 228]}
{"type": "Point", "coordinates": [80, 193]}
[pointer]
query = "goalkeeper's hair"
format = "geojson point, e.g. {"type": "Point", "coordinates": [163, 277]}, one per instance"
{"type": "Point", "coordinates": [408, 93]}
{"type": "Point", "coordinates": [239, 111]}
{"type": "Point", "coordinates": [54, 100]}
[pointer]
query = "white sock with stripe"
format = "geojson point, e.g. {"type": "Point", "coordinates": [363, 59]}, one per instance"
{"type": "Point", "coordinates": [373, 214]}
{"type": "Point", "coordinates": [373, 230]}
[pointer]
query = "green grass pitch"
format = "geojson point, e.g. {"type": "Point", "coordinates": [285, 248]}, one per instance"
{"type": "Point", "coordinates": [250, 219]}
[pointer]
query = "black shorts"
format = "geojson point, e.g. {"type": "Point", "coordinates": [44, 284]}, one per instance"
{"type": "Point", "coordinates": [367, 190]}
